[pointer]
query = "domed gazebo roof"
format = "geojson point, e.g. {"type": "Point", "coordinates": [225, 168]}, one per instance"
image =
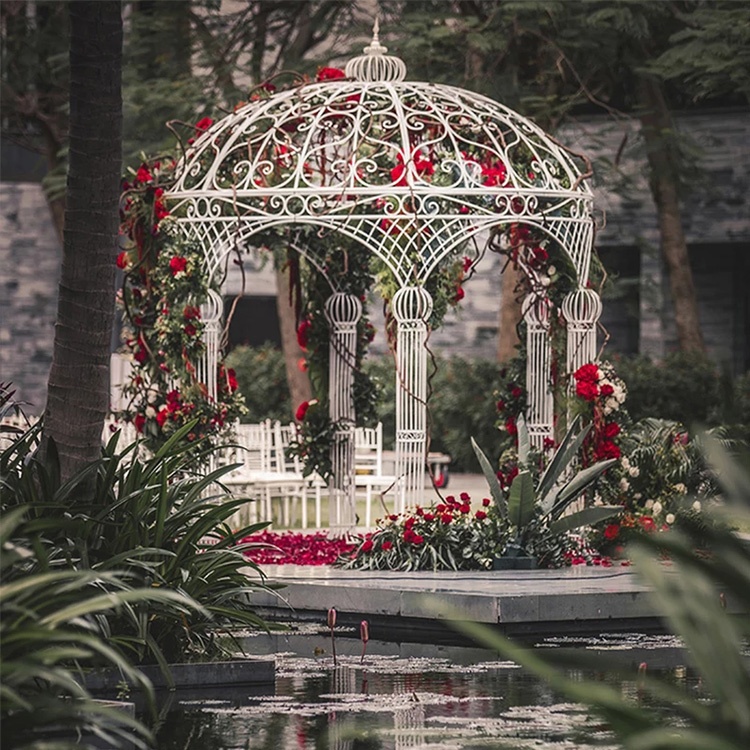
{"type": "Point", "coordinates": [409, 169]}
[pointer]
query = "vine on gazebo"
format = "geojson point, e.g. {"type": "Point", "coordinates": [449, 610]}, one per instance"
{"type": "Point", "coordinates": [161, 296]}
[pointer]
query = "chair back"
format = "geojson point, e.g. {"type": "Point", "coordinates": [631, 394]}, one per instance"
{"type": "Point", "coordinates": [368, 450]}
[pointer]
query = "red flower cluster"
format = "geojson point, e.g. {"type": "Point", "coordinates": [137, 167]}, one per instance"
{"type": "Point", "coordinates": [201, 127]}
{"type": "Point", "coordinates": [177, 264]}
{"type": "Point", "coordinates": [329, 74]}
{"type": "Point", "coordinates": [421, 164]}
{"type": "Point", "coordinates": [587, 381]}
{"type": "Point", "coordinates": [290, 548]}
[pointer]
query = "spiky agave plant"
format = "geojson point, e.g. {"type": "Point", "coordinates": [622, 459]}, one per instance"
{"type": "Point", "coordinates": [533, 510]}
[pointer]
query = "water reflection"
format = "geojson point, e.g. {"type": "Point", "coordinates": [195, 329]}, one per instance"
{"type": "Point", "coordinates": [452, 700]}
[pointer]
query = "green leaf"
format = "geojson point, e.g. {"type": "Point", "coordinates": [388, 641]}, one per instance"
{"type": "Point", "coordinates": [585, 517]}
{"type": "Point", "coordinates": [565, 453]}
{"type": "Point", "coordinates": [522, 500]}
{"type": "Point", "coordinates": [491, 476]}
{"type": "Point", "coordinates": [524, 444]}
{"type": "Point", "coordinates": [578, 484]}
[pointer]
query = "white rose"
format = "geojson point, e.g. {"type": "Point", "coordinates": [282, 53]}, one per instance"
{"type": "Point", "coordinates": [150, 412]}
{"type": "Point", "coordinates": [649, 504]}
{"type": "Point", "coordinates": [697, 505]}
{"type": "Point", "coordinates": [624, 485]}
{"type": "Point", "coordinates": [634, 471]}
{"type": "Point", "coordinates": [670, 518]}
{"type": "Point", "coordinates": [657, 508]}
{"type": "Point", "coordinates": [680, 488]}
{"type": "Point", "coordinates": [625, 463]}
{"type": "Point", "coordinates": [637, 496]}
{"type": "Point", "coordinates": [546, 280]}
{"type": "Point", "coordinates": [551, 270]}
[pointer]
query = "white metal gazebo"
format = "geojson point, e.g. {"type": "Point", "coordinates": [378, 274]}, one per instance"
{"type": "Point", "coordinates": [410, 170]}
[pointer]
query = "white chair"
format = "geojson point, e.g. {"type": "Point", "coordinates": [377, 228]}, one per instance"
{"type": "Point", "coordinates": [368, 466]}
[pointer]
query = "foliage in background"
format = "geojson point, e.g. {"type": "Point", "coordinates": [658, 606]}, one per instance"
{"type": "Point", "coordinates": [261, 379]}
{"type": "Point", "coordinates": [700, 594]}
{"type": "Point", "coordinates": [154, 521]}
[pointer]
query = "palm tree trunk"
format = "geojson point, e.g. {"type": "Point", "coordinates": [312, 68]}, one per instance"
{"type": "Point", "coordinates": [656, 125]}
{"type": "Point", "coordinates": [78, 390]}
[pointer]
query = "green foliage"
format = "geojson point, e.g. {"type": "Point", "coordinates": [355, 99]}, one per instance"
{"type": "Point", "coordinates": [461, 404]}
{"type": "Point", "coordinates": [534, 509]}
{"type": "Point", "coordinates": [684, 388]}
{"type": "Point", "coordinates": [696, 592]}
{"type": "Point", "coordinates": [155, 521]}
{"type": "Point", "coordinates": [261, 376]}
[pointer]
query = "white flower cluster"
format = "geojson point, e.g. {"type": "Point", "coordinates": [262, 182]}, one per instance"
{"type": "Point", "coordinates": [619, 392]}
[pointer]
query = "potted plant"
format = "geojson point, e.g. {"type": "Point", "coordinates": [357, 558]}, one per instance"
{"type": "Point", "coordinates": [534, 511]}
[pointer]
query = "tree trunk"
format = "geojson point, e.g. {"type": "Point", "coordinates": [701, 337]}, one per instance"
{"type": "Point", "coordinates": [78, 390]}
{"type": "Point", "coordinates": [656, 127]}
{"type": "Point", "coordinates": [509, 315]}
{"type": "Point", "coordinates": [299, 384]}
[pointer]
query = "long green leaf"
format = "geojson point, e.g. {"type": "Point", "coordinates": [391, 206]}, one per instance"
{"type": "Point", "coordinates": [524, 444]}
{"type": "Point", "coordinates": [585, 517]}
{"type": "Point", "coordinates": [562, 458]}
{"type": "Point", "coordinates": [521, 500]}
{"type": "Point", "coordinates": [491, 476]}
{"type": "Point", "coordinates": [578, 484]}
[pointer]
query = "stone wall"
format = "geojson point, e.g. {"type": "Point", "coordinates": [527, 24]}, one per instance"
{"type": "Point", "coordinates": [29, 271]}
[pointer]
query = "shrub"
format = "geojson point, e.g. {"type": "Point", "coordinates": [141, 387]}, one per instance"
{"type": "Point", "coordinates": [684, 388]}
{"type": "Point", "coordinates": [154, 521]}
{"type": "Point", "coordinates": [261, 376]}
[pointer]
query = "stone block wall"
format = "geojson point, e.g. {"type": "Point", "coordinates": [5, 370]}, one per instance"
{"type": "Point", "coordinates": [30, 253]}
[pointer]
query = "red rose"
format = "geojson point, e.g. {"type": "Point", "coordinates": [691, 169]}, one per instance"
{"type": "Point", "coordinates": [203, 125]}
{"type": "Point", "coordinates": [486, 502]}
{"type": "Point", "coordinates": [500, 405]}
{"type": "Point", "coordinates": [460, 294]}
{"type": "Point", "coordinates": [417, 539]}
{"type": "Point", "coordinates": [480, 515]}
{"type": "Point", "coordinates": [612, 531]}
{"type": "Point", "coordinates": [510, 426]}
{"type": "Point", "coordinates": [190, 329]}
{"type": "Point", "coordinates": [429, 517]}
{"type": "Point", "coordinates": [302, 410]}
{"type": "Point", "coordinates": [465, 508]}
{"type": "Point", "coordinates": [465, 497]}
{"type": "Point", "coordinates": [232, 380]}
{"type": "Point", "coordinates": [587, 390]}
{"type": "Point", "coordinates": [548, 444]}
{"type": "Point", "coordinates": [516, 391]}
{"type": "Point", "coordinates": [177, 264]}
{"type": "Point", "coordinates": [606, 389]}
{"type": "Point", "coordinates": [139, 422]}
{"type": "Point", "coordinates": [467, 262]}
{"type": "Point", "coordinates": [612, 429]}
{"type": "Point", "coordinates": [494, 174]}
{"type": "Point", "coordinates": [367, 546]}
{"type": "Point", "coordinates": [123, 260]}
{"type": "Point", "coordinates": [143, 175]}
{"type": "Point", "coordinates": [160, 210]}
{"type": "Point", "coordinates": [589, 373]}
{"type": "Point", "coordinates": [329, 74]}
{"type": "Point", "coordinates": [647, 523]}
{"type": "Point", "coordinates": [606, 449]}
{"type": "Point", "coordinates": [191, 312]}
{"type": "Point", "coordinates": [386, 546]}
{"type": "Point", "coordinates": [162, 416]}
{"type": "Point", "coordinates": [446, 518]}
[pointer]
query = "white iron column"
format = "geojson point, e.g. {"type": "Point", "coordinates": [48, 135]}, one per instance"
{"type": "Point", "coordinates": [540, 411]}
{"type": "Point", "coordinates": [581, 309]}
{"type": "Point", "coordinates": [211, 312]}
{"type": "Point", "coordinates": [343, 312]}
{"type": "Point", "coordinates": [411, 307]}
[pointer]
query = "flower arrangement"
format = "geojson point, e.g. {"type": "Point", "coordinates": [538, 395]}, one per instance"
{"type": "Point", "coordinates": [163, 289]}
{"type": "Point", "coordinates": [660, 482]}
{"type": "Point", "coordinates": [598, 397]}
{"type": "Point", "coordinates": [450, 535]}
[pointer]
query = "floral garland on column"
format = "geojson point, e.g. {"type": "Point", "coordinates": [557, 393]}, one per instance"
{"type": "Point", "coordinates": [163, 288]}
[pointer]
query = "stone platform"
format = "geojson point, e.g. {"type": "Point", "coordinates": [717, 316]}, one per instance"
{"type": "Point", "coordinates": [531, 604]}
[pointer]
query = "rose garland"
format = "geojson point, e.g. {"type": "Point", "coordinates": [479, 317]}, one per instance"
{"type": "Point", "coordinates": [163, 288]}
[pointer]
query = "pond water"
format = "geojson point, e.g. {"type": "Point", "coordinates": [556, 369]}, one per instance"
{"type": "Point", "coordinates": [405, 696]}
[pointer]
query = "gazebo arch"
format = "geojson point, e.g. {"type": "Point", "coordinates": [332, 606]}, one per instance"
{"type": "Point", "coordinates": [411, 170]}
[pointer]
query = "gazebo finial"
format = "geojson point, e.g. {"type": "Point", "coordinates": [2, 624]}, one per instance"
{"type": "Point", "coordinates": [375, 65]}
